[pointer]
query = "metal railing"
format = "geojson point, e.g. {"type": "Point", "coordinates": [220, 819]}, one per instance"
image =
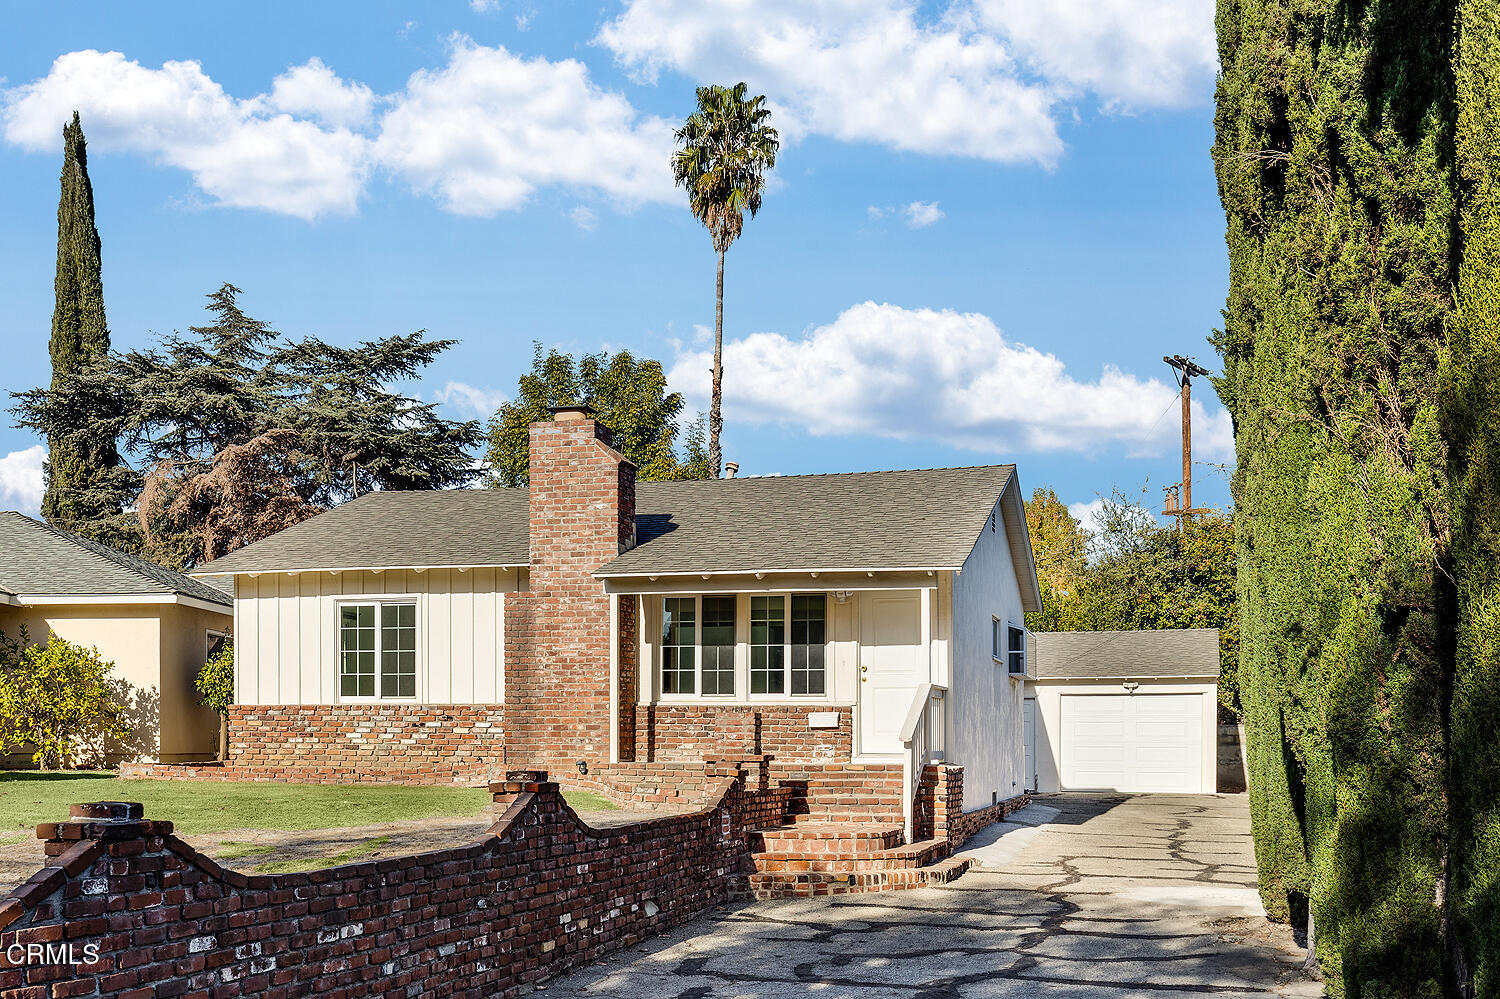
{"type": "Point", "coordinates": [923, 740]}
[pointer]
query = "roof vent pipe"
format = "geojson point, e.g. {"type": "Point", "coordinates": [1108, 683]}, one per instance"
{"type": "Point", "coordinates": [730, 467]}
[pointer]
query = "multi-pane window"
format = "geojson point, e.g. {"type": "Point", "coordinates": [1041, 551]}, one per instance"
{"type": "Point", "coordinates": [398, 650]}
{"type": "Point", "coordinates": [392, 647]}
{"type": "Point", "coordinates": [1017, 650]}
{"type": "Point", "coordinates": [808, 628]}
{"type": "Point", "coordinates": [767, 645]}
{"type": "Point", "coordinates": [679, 641]}
{"type": "Point", "coordinates": [718, 645]}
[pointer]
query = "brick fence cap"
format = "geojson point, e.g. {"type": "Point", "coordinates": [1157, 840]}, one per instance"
{"type": "Point", "coordinates": [108, 811]}
{"type": "Point", "coordinates": [526, 776]}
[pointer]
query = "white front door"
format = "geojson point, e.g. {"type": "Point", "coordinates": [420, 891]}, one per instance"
{"type": "Point", "coordinates": [1132, 742]}
{"type": "Point", "coordinates": [892, 665]}
{"type": "Point", "coordinates": [1028, 728]}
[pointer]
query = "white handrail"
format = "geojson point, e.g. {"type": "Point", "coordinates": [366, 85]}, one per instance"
{"type": "Point", "coordinates": [916, 750]}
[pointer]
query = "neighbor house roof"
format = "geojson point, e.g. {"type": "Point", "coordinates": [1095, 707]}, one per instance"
{"type": "Point", "coordinates": [37, 560]}
{"type": "Point", "coordinates": [924, 519]}
{"type": "Point", "coordinates": [1124, 655]}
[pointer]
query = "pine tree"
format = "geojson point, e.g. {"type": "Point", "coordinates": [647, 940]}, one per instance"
{"type": "Point", "coordinates": [82, 461]}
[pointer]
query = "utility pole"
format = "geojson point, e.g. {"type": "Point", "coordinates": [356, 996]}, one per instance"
{"type": "Point", "coordinates": [1186, 370]}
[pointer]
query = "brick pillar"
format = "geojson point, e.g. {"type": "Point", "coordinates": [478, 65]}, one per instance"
{"type": "Point", "coordinates": [557, 635]}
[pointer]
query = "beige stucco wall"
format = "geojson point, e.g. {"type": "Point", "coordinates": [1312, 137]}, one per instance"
{"type": "Point", "coordinates": [157, 650]}
{"type": "Point", "coordinates": [287, 632]}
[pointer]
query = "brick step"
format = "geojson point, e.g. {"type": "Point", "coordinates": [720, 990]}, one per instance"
{"type": "Point", "coordinates": [768, 885]}
{"type": "Point", "coordinates": [828, 861]}
{"type": "Point", "coordinates": [827, 837]}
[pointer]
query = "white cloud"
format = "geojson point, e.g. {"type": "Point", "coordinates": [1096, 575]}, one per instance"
{"type": "Point", "coordinates": [469, 401]}
{"type": "Point", "coordinates": [942, 376]}
{"type": "Point", "coordinates": [21, 480]}
{"type": "Point", "coordinates": [243, 153]}
{"type": "Point", "coordinates": [978, 78]}
{"type": "Point", "coordinates": [314, 90]}
{"type": "Point", "coordinates": [1088, 513]}
{"type": "Point", "coordinates": [1132, 54]}
{"type": "Point", "coordinates": [490, 127]}
{"type": "Point", "coordinates": [855, 70]}
{"type": "Point", "coordinates": [875, 212]}
{"type": "Point", "coordinates": [484, 6]}
{"type": "Point", "coordinates": [583, 217]}
{"type": "Point", "coordinates": [921, 214]}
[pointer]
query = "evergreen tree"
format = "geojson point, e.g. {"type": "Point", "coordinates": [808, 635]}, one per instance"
{"type": "Point", "coordinates": [239, 433]}
{"type": "Point", "coordinates": [1356, 161]}
{"type": "Point", "coordinates": [82, 463]}
{"type": "Point", "coordinates": [631, 397]}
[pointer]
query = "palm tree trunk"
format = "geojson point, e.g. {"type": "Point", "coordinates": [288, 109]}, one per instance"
{"type": "Point", "coordinates": [715, 416]}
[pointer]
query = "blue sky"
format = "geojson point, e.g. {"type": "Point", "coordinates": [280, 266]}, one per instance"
{"type": "Point", "coordinates": [990, 218]}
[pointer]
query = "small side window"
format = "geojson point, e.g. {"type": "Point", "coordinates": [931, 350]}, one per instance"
{"type": "Point", "coordinates": [1017, 650]}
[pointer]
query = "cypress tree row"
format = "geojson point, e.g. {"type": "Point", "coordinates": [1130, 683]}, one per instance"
{"type": "Point", "coordinates": [81, 487]}
{"type": "Point", "coordinates": [1357, 161]}
{"type": "Point", "coordinates": [1472, 419]}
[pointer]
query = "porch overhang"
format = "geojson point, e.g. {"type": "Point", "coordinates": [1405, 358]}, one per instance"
{"type": "Point", "coordinates": [774, 581]}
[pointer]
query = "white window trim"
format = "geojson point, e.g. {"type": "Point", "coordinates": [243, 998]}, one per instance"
{"type": "Point", "coordinates": [742, 694]}
{"type": "Point", "coordinates": [998, 628]}
{"type": "Point", "coordinates": [356, 599]}
{"type": "Point", "coordinates": [1025, 650]}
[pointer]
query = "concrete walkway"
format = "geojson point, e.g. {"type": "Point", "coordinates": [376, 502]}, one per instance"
{"type": "Point", "coordinates": [1093, 896]}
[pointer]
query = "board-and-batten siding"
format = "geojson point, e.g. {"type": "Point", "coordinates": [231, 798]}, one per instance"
{"type": "Point", "coordinates": [286, 633]}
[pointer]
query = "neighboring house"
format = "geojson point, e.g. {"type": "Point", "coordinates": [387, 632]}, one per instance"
{"type": "Point", "coordinates": [1123, 711]}
{"type": "Point", "coordinates": [157, 626]}
{"type": "Point", "coordinates": [851, 626]}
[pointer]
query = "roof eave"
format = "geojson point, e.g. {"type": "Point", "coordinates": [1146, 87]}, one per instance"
{"type": "Point", "coordinates": [207, 571]}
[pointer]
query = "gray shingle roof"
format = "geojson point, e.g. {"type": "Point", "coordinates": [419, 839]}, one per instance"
{"type": "Point", "coordinates": [863, 520]}
{"type": "Point", "coordinates": [1123, 655]}
{"type": "Point", "coordinates": [40, 561]}
{"type": "Point", "coordinates": [384, 530]}
{"type": "Point", "coordinates": [922, 519]}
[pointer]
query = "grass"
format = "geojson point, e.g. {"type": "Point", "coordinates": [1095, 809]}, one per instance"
{"type": "Point", "coordinates": [232, 849]}
{"type": "Point", "coordinates": [348, 856]}
{"type": "Point", "coordinates": [28, 797]}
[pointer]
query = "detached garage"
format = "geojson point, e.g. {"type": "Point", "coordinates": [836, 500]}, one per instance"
{"type": "Point", "coordinates": [1132, 711]}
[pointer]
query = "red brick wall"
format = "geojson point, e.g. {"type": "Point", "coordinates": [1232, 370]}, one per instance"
{"type": "Point", "coordinates": [843, 792]}
{"type": "Point", "coordinates": [939, 811]}
{"type": "Point", "coordinates": [582, 499]}
{"type": "Point", "coordinates": [410, 743]}
{"type": "Point", "coordinates": [539, 895]}
{"type": "Point", "coordinates": [698, 731]}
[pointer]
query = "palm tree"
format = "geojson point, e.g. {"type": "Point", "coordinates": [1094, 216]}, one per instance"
{"type": "Point", "coordinates": [724, 151]}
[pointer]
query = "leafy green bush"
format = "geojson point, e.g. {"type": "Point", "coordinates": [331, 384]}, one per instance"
{"type": "Point", "coordinates": [215, 684]}
{"type": "Point", "coordinates": [59, 698]}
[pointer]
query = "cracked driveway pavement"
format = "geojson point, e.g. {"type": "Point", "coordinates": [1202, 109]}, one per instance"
{"type": "Point", "coordinates": [1093, 896]}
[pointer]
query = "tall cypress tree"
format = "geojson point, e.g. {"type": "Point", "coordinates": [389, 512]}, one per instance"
{"type": "Point", "coordinates": [81, 461]}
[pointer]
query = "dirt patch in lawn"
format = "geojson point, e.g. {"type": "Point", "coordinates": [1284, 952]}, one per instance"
{"type": "Point", "coordinates": [255, 851]}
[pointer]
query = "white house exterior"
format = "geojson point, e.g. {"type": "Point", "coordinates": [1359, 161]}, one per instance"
{"type": "Point", "coordinates": [843, 625]}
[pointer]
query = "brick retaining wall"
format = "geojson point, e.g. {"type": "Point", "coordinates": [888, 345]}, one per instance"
{"type": "Point", "coordinates": [939, 807]}
{"type": "Point", "coordinates": [385, 743]}
{"type": "Point", "coordinates": [668, 732]}
{"type": "Point", "coordinates": [540, 894]}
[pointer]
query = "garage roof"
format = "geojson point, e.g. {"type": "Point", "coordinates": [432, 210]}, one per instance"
{"type": "Point", "coordinates": [1123, 655]}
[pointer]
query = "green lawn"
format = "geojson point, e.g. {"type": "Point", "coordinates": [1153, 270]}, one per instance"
{"type": "Point", "coordinates": [28, 797]}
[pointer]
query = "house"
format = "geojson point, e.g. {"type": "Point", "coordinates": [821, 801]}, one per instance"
{"type": "Point", "coordinates": [851, 627]}
{"type": "Point", "coordinates": [1123, 711]}
{"type": "Point", "coordinates": [157, 626]}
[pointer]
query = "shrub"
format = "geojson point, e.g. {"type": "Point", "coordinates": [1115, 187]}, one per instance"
{"type": "Point", "coordinates": [216, 689]}
{"type": "Point", "coordinates": [59, 698]}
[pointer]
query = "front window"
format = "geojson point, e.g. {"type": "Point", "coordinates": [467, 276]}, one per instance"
{"type": "Point", "coordinates": [808, 643]}
{"type": "Point", "coordinates": [718, 645]}
{"type": "Point", "coordinates": [679, 645]}
{"type": "Point", "coordinates": [379, 657]}
{"type": "Point", "coordinates": [767, 645]}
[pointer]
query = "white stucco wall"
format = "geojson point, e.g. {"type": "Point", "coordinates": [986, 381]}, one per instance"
{"type": "Point", "coordinates": [985, 725]}
{"type": "Point", "coordinates": [1049, 695]}
{"type": "Point", "coordinates": [286, 649]}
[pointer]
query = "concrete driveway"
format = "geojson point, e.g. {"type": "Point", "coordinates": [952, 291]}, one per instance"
{"type": "Point", "coordinates": [1096, 896]}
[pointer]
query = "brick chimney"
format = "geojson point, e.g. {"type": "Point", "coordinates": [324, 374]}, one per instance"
{"type": "Point", "coordinates": [557, 635]}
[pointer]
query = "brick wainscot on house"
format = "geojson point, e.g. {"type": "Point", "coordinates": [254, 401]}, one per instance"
{"type": "Point", "coordinates": [851, 628]}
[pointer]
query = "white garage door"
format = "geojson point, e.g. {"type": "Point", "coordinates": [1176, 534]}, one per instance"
{"type": "Point", "coordinates": [1139, 742]}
